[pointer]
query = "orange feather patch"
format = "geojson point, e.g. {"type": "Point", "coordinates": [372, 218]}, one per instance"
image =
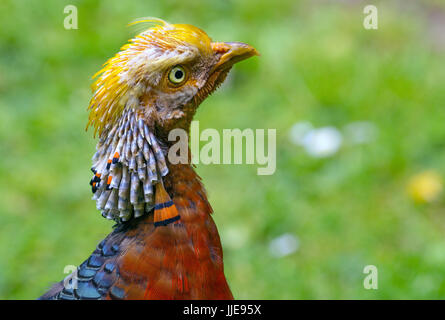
{"type": "Point", "coordinates": [165, 210]}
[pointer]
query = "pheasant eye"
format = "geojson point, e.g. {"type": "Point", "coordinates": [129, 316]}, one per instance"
{"type": "Point", "coordinates": [176, 75]}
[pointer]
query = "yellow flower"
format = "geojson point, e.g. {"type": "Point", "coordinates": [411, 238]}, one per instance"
{"type": "Point", "coordinates": [425, 187]}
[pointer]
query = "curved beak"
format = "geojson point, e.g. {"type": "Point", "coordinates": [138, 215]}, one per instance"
{"type": "Point", "coordinates": [231, 53]}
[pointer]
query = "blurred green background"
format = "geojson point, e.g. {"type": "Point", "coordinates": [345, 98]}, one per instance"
{"type": "Point", "coordinates": [376, 201]}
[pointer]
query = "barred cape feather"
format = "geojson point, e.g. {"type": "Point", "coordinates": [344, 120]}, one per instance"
{"type": "Point", "coordinates": [128, 163]}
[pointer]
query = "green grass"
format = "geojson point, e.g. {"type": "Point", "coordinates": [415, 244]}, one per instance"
{"type": "Point", "coordinates": [318, 64]}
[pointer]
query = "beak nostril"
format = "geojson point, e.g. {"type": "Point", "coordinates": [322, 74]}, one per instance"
{"type": "Point", "coordinates": [220, 47]}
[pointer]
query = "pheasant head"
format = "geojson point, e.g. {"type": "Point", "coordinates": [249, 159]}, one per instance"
{"type": "Point", "coordinates": [164, 73]}
{"type": "Point", "coordinates": [153, 85]}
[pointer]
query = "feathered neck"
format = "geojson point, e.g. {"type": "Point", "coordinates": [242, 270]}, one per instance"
{"type": "Point", "coordinates": [127, 165]}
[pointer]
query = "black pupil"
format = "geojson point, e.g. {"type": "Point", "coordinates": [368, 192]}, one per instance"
{"type": "Point", "coordinates": [178, 74]}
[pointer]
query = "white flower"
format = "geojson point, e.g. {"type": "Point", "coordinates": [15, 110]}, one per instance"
{"type": "Point", "coordinates": [284, 245]}
{"type": "Point", "coordinates": [322, 142]}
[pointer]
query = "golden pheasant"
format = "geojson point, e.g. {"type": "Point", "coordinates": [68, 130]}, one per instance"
{"type": "Point", "coordinates": [165, 244]}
